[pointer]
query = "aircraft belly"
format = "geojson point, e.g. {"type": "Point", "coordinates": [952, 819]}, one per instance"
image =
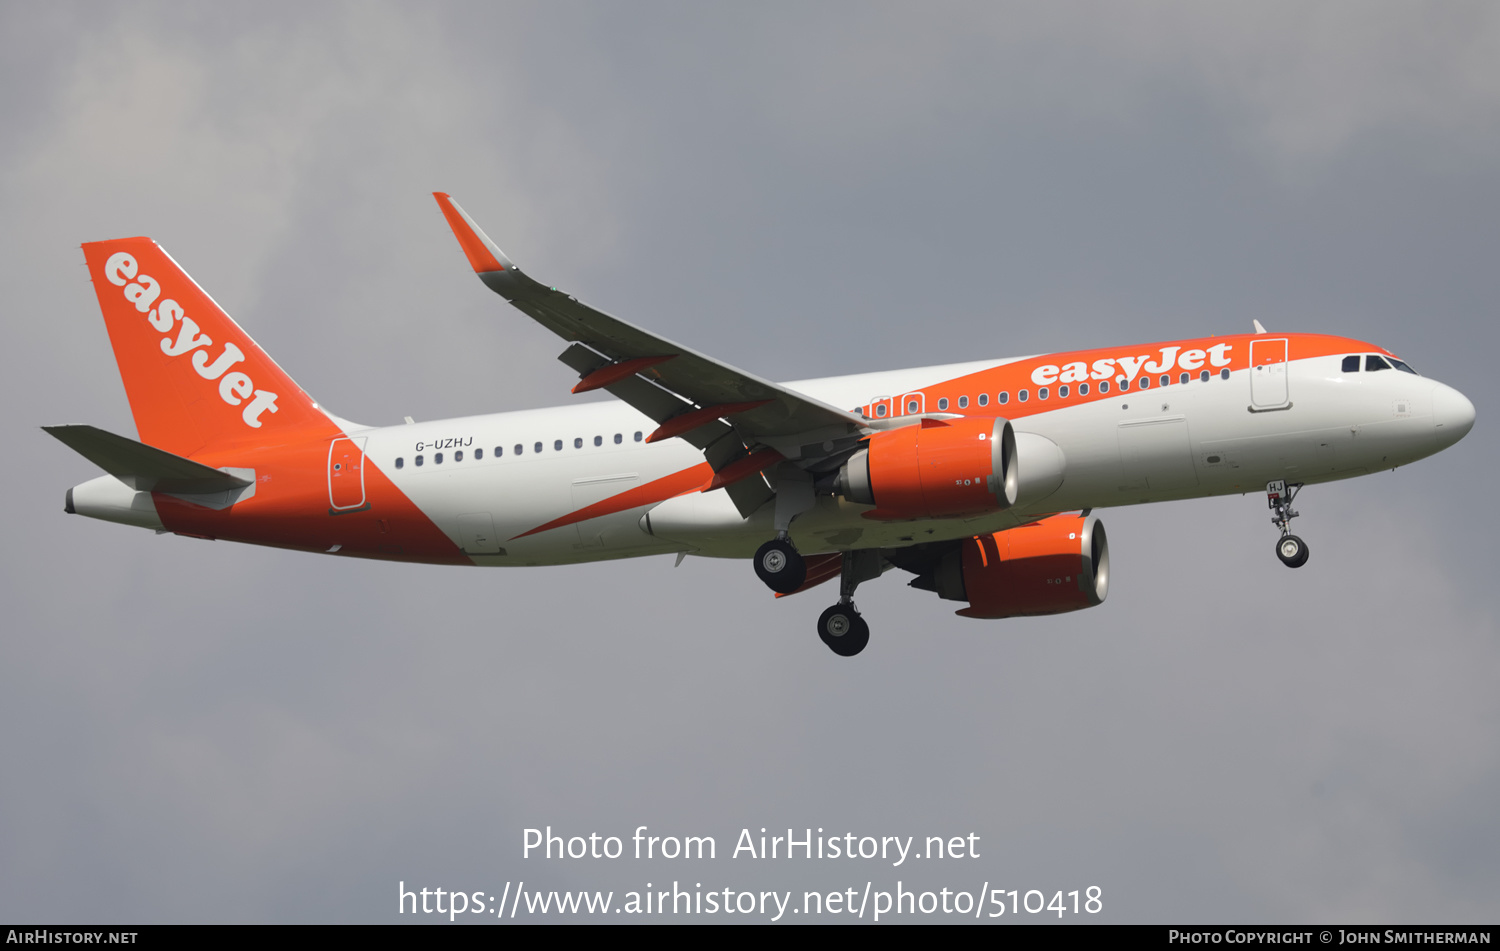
{"type": "Point", "coordinates": [707, 524]}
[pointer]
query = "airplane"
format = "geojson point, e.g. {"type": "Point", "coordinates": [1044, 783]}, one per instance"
{"type": "Point", "coordinates": [980, 479]}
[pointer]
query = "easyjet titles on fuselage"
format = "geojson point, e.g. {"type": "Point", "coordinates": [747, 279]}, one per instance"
{"type": "Point", "coordinates": [1174, 356]}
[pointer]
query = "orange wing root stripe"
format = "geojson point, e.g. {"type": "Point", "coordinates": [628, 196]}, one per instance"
{"type": "Point", "coordinates": [667, 487]}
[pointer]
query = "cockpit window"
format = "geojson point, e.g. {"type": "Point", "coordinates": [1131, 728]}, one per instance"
{"type": "Point", "coordinates": [1403, 367]}
{"type": "Point", "coordinates": [1374, 361]}
{"type": "Point", "coordinates": [1351, 364]}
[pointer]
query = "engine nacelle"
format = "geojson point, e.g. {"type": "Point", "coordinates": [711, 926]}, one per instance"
{"type": "Point", "coordinates": [1040, 466]}
{"type": "Point", "coordinates": [1057, 565]}
{"type": "Point", "coordinates": [939, 468]}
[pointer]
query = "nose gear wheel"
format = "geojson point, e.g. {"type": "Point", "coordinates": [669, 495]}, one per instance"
{"type": "Point", "coordinates": [1292, 551]}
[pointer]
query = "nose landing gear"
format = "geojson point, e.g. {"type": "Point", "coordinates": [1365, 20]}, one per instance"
{"type": "Point", "coordinates": [1289, 548]}
{"type": "Point", "coordinates": [1292, 551]}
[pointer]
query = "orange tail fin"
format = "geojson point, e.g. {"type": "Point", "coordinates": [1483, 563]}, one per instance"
{"type": "Point", "coordinates": [193, 377]}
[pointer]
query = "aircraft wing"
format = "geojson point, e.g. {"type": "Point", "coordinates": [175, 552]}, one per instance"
{"type": "Point", "coordinates": [688, 393]}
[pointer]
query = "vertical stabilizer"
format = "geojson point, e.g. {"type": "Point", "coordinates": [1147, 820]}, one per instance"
{"type": "Point", "coordinates": [193, 377]}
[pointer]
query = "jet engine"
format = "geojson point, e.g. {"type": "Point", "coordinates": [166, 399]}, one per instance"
{"type": "Point", "coordinates": [939, 468]}
{"type": "Point", "coordinates": [1053, 566]}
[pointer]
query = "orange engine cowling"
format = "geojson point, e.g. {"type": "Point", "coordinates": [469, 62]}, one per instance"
{"type": "Point", "coordinates": [1057, 565]}
{"type": "Point", "coordinates": [938, 468]}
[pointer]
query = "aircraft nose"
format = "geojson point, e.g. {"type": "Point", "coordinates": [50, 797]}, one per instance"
{"type": "Point", "coordinates": [1452, 414]}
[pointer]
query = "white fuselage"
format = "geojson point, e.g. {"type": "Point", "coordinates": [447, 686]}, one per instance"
{"type": "Point", "coordinates": [1168, 442]}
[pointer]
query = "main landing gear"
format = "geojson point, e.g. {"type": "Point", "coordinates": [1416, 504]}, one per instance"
{"type": "Point", "coordinates": [1289, 548]}
{"type": "Point", "coordinates": [843, 630]}
{"type": "Point", "coordinates": [841, 627]}
{"type": "Point", "coordinates": [778, 564]}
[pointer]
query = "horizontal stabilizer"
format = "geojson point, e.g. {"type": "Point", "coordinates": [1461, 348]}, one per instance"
{"type": "Point", "coordinates": [142, 467]}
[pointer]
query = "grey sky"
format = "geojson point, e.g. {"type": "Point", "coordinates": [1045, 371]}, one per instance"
{"type": "Point", "coordinates": [198, 731]}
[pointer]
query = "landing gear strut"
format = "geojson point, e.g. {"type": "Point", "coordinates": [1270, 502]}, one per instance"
{"type": "Point", "coordinates": [1289, 548]}
{"type": "Point", "coordinates": [841, 627]}
{"type": "Point", "coordinates": [778, 564]}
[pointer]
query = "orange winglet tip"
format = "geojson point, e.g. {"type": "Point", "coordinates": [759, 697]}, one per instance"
{"type": "Point", "coordinates": [689, 421]}
{"type": "Point", "coordinates": [478, 248]}
{"type": "Point", "coordinates": [744, 468]}
{"type": "Point", "coordinates": [615, 372]}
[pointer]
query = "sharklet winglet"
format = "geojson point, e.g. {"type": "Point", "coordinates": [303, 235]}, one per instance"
{"type": "Point", "coordinates": [483, 254]}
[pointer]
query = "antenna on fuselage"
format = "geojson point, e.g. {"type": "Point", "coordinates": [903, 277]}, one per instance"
{"type": "Point", "coordinates": [1258, 328]}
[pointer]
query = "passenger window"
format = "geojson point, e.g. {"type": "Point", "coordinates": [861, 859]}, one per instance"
{"type": "Point", "coordinates": [880, 410]}
{"type": "Point", "coordinates": [1144, 384]}
{"type": "Point", "coordinates": [418, 460]}
{"type": "Point", "coordinates": [911, 406]}
{"type": "Point", "coordinates": [943, 403]}
{"type": "Point", "coordinates": [400, 462]}
{"type": "Point", "coordinates": [578, 442]}
{"type": "Point", "coordinates": [598, 440]}
{"type": "Point", "coordinates": [619, 439]}
{"type": "Point", "coordinates": [984, 399]}
{"type": "Point", "coordinates": [1375, 361]}
{"type": "Point", "coordinates": [1224, 374]}
{"type": "Point", "coordinates": [519, 449]}
{"type": "Point", "coordinates": [1062, 392]}
{"type": "Point", "coordinates": [1124, 384]}
{"type": "Point", "coordinates": [536, 447]}
{"type": "Point", "coordinates": [1103, 386]}
{"type": "Point", "coordinates": [557, 445]}
{"type": "Point", "coordinates": [458, 456]}
{"type": "Point", "coordinates": [1165, 379]}
{"type": "Point", "coordinates": [1023, 396]}
{"type": "Point", "coordinates": [1184, 378]}
{"type": "Point", "coordinates": [437, 458]}
{"type": "Point", "coordinates": [637, 435]}
{"type": "Point", "coordinates": [1203, 376]}
{"type": "Point", "coordinates": [1351, 364]}
{"type": "Point", "coordinates": [1041, 393]}
{"type": "Point", "coordinates": [478, 454]}
{"type": "Point", "coordinates": [963, 402]}
{"type": "Point", "coordinates": [1083, 389]}
{"type": "Point", "coordinates": [1004, 398]}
